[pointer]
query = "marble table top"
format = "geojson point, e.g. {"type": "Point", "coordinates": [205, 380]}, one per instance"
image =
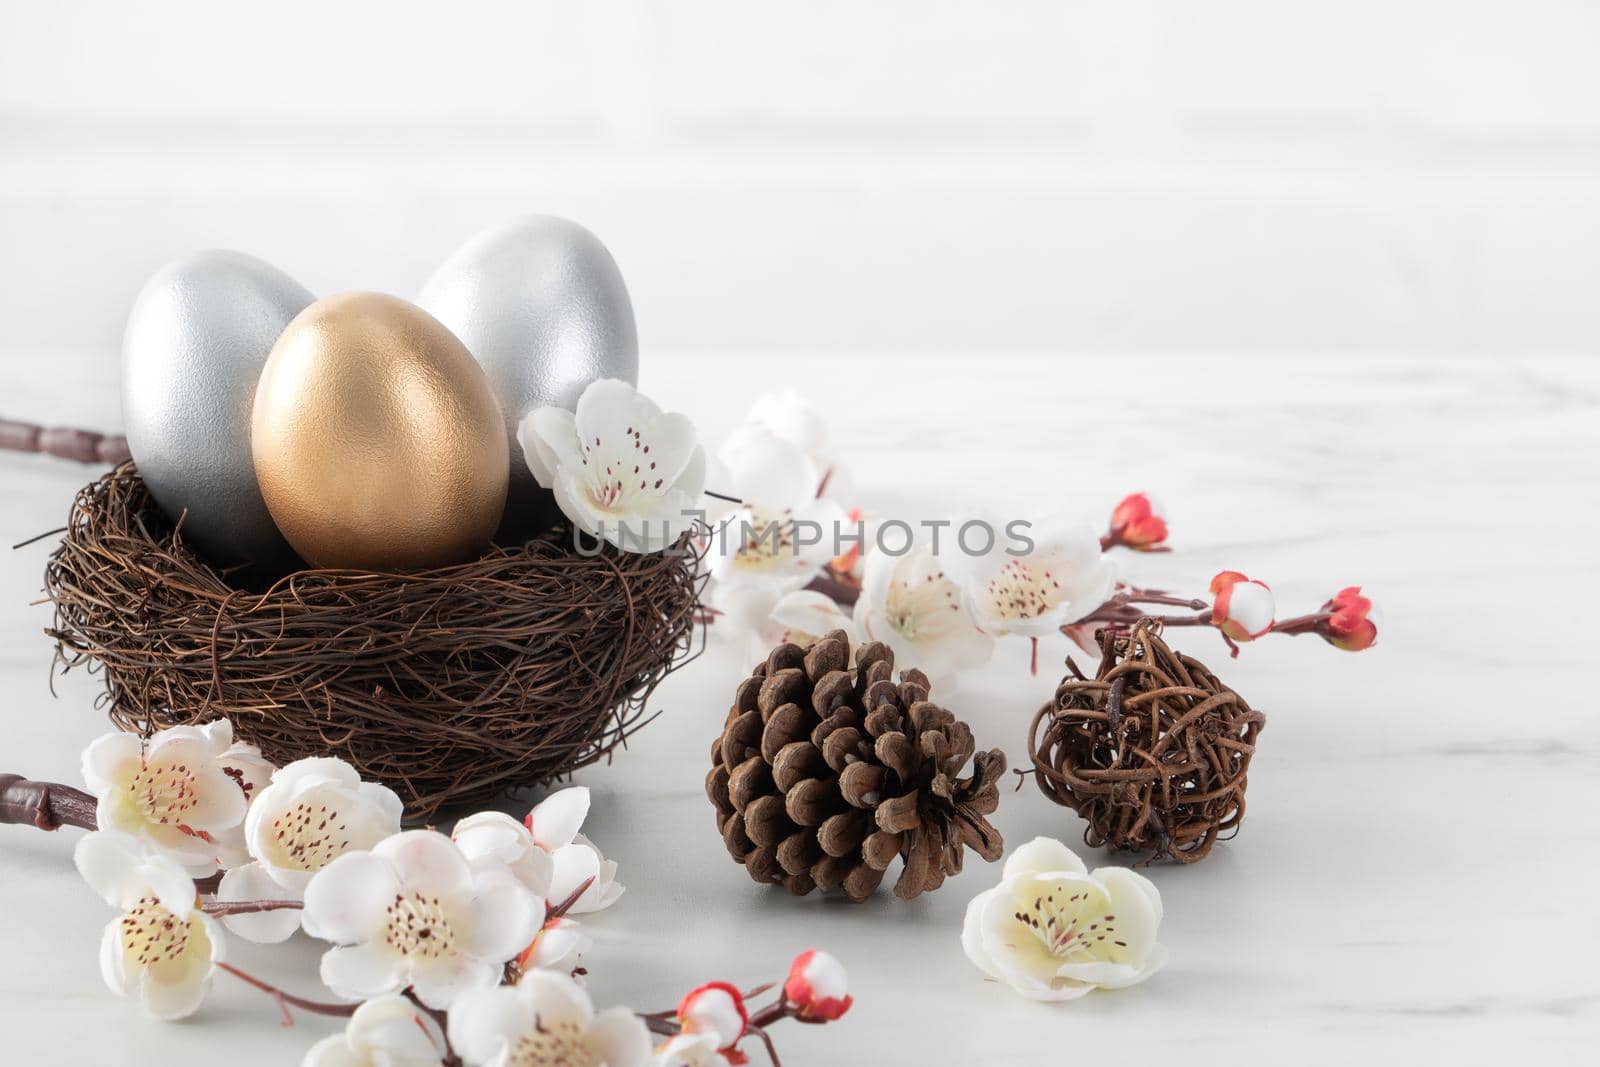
{"type": "Point", "coordinates": [1416, 876]}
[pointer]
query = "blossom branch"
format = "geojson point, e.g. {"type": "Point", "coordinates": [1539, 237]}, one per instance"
{"type": "Point", "coordinates": [289, 1000]}
{"type": "Point", "coordinates": [45, 805]}
{"type": "Point", "coordinates": [249, 907]}
{"type": "Point", "coordinates": [84, 446]}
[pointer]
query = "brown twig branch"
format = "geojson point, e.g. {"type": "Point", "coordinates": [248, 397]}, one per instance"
{"type": "Point", "coordinates": [289, 1000]}
{"type": "Point", "coordinates": [46, 805]}
{"type": "Point", "coordinates": [248, 907]}
{"type": "Point", "coordinates": [63, 442]}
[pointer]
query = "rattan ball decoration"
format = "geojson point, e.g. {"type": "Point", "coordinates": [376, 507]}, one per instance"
{"type": "Point", "coordinates": [1153, 750]}
{"type": "Point", "coordinates": [452, 685]}
{"type": "Point", "coordinates": [826, 770]}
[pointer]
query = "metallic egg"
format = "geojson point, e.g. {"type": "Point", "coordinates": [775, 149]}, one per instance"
{"type": "Point", "coordinates": [378, 443]}
{"type": "Point", "coordinates": [196, 339]}
{"type": "Point", "coordinates": [540, 303]}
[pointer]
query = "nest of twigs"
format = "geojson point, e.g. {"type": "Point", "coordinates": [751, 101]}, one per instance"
{"type": "Point", "coordinates": [452, 685]}
{"type": "Point", "coordinates": [1153, 750]}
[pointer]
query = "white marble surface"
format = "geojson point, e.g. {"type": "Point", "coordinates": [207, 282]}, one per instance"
{"type": "Point", "coordinates": [1415, 880]}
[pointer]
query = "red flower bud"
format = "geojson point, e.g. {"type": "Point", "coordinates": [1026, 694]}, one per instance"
{"type": "Point", "coordinates": [1137, 523]}
{"type": "Point", "coordinates": [1352, 623]}
{"type": "Point", "coordinates": [1244, 608]}
{"type": "Point", "coordinates": [818, 986]}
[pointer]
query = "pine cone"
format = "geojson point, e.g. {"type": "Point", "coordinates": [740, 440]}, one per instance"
{"type": "Point", "coordinates": [825, 772]}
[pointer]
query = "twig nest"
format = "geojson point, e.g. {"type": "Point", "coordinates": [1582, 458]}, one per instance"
{"type": "Point", "coordinates": [827, 769]}
{"type": "Point", "coordinates": [1153, 751]}
{"type": "Point", "coordinates": [451, 685]}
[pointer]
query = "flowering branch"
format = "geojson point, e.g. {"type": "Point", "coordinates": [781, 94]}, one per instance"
{"type": "Point", "coordinates": [84, 446]}
{"type": "Point", "coordinates": [289, 1000]}
{"type": "Point", "coordinates": [46, 805]}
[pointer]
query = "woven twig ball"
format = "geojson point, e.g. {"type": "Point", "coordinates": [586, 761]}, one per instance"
{"type": "Point", "coordinates": [1153, 750]}
{"type": "Point", "coordinates": [451, 686]}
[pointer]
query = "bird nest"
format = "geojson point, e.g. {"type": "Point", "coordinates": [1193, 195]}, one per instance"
{"type": "Point", "coordinates": [451, 686]}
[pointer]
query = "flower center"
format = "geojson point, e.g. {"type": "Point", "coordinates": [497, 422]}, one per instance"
{"type": "Point", "coordinates": [765, 542]}
{"type": "Point", "coordinates": [1020, 591]}
{"type": "Point", "coordinates": [557, 1045]}
{"type": "Point", "coordinates": [152, 934]}
{"type": "Point", "coordinates": [164, 793]}
{"type": "Point", "coordinates": [309, 837]}
{"type": "Point", "coordinates": [922, 608]}
{"type": "Point", "coordinates": [1061, 923]}
{"type": "Point", "coordinates": [418, 927]}
{"type": "Point", "coordinates": [621, 471]}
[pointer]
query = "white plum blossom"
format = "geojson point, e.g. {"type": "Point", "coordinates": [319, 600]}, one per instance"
{"type": "Point", "coordinates": [554, 824]}
{"type": "Point", "coordinates": [781, 535]}
{"type": "Point", "coordinates": [546, 1018]}
{"type": "Point", "coordinates": [494, 840]}
{"type": "Point", "coordinates": [620, 468]}
{"type": "Point", "coordinates": [1052, 930]}
{"type": "Point", "coordinates": [762, 618]}
{"type": "Point", "coordinates": [387, 1031]}
{"type": "Point", "coordinates": [183, 792]}
{"type": "Point", "coordinates": [314, 811]}
{"type": "Point", "coordinates": [161, 947]}
{"type": "Point", "coordinates": [910, 604]}
{"type": "Point", "coordinates": [413, 912]}
{"type": "Point", "coordinates": [790, 417]}
{"type": "Point", "coordinates": [1064, 577]}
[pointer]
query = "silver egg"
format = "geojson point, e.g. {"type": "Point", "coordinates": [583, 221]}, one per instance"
{"type": "Point", "coordinates": [196, 339]}
{"type": "Point", "coordinates": [542, 306]}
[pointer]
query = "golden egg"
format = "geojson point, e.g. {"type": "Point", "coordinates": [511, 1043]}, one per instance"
{"type": "Point", "coordinates": [376, 438]}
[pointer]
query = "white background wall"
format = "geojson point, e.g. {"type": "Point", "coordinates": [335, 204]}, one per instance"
{"type": "Point", "coordinates": [893, 176]}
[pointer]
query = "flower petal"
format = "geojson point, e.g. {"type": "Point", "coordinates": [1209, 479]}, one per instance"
{"type": "Point", "coordinates": [346, 901]}
{"type": "Point", "coordinates": [556, 819]}
{"type": "Point", "coordinates": [110, 760]}
{"type": "Point", "coordinates": [360, 972]}
{"type": "Point", "coordinates": [426, 862]}
{"type": "Point", "coordinates": [252, 882]}
{"type": "Point", "coordinates": [1042, 855]}
{"type": "Point", "coordinates": [485, 1022]}
{"type": "Point", "coordinates": [108, 861]}
{"type": "Point", "coordinates": [503, 917]}
{"type": "Point", "coordinates": [440, 982]}
{"type": "Point", "coordinates": [618, 1038]}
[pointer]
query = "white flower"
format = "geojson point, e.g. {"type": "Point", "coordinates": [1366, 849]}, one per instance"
{"type": "Point", "coordinates": [1053, 931]}
{"type": "Point", "coordinates": [162, 946]}
{"type": "Point", "coordinates": [782, 534]}
{"type": "Point", "coordinates": [1063, 578]}
{"type": "Point", "coordinates": [314, 811]}
{"type": "Point", "coordinates": [172, 792]}
{"type": "Point", "coordinates": [493, 839]}
{"type": "Point", "coordinates": [546, 1019]}
{"type": "Point", "coordinates": [554, 824]}
{"type": "Point", "coordinates": [620, 468]}
{"type": "Point", "coordinates": [911, 605]}
{"type": "Point", "coordinates": [413, 912]}
{"type": "Point", "coordinates": [762, 618]}
{"type": "Point", "coordinates": [788, 416]}
{"type": "Point", "coordinates": [384, 1032]}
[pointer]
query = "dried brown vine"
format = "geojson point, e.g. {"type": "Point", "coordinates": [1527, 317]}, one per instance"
{"type": "Point", "coordinates": [452, 685]}
{"type": "Point", "coordinates": [1153, 751]}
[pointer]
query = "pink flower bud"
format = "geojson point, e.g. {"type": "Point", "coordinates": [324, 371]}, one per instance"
{"type": "Point", "coordinates": [717, 1010]}
{"type": "Point", "coordinates": [818, 986]}
{"type": "Point", "coordinates": [1244, 608]}
{"type": "Point", "coordinates": [1137, 523]}
{"type": "Point", "coordinates": [1352, 623]}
